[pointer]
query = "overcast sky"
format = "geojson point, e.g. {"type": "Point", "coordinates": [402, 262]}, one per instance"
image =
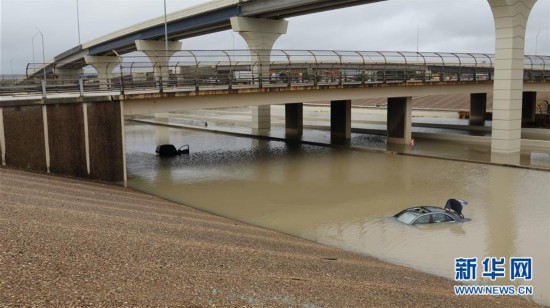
{"type": "Point", "coordinates": [442, 25]}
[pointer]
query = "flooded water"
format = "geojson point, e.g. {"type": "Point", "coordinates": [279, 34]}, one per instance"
{"type": "Point", "coordinates": [346, 198]}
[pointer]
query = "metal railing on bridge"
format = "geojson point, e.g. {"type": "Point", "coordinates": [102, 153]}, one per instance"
{"type": "Point", "coordinates": [231, 69]}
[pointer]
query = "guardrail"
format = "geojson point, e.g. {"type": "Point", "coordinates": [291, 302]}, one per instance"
{"type": "Point", "coordinates": [228, 69]}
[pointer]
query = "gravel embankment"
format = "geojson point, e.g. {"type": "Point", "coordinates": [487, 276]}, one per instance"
{"type": "Point", "coordinates": [67, 242]}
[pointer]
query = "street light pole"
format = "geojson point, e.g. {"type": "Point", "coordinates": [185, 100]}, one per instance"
{"type": "Point", "coordinates": [165, 34]}
{"type": "Point", "coordinates": [165, 51]}
{"type": "Point", "coordinates": [417, 35]}
{"type": "Point", "coordinates": [537, 42]}
{"type": "Point", "coordinates": [33, 60]}
{"type": "Point", "coordinates": [165, 31]}
{"type": "Point", "coordinates": [78, 21]}
{"type": "Point", "coordinates": [43, 53]}
{"type": "Point", "coordinates": [11, 68]}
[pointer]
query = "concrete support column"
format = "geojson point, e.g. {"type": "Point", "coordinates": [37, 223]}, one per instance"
{"type": "Point", "coordinates": [123, 145]}
{"type": "Point", "coordinates": [510, 22]}
{"type": "Point", "coordinates": [159, 57]}
{"type": "Point", "coordinates": [478, 108]}
{"type": "Point", "coordinates": [86, 136]}
{"type": "Point", "coordinates": [46, 136]}
{"type": "Point", "coordinates": [260, 34]}
{"type": "Point", "coordinates": [294, 120]}
{"type": "Point", "coordinates": [340, 121]}
{"type": "Point", "coordinates": [2, 137]}
{"type": "Point", "coordinates": [104, 66]}
{"type": "Point", "coordinates": [261, 117]}
{"type": "Point", "coordinates": [528, 107]}
{"type": "Point", "coordinates": [399, 120]}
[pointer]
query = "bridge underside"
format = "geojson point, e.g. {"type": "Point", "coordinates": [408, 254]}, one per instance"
{"type": "Point", "coordinates": [149, 103]}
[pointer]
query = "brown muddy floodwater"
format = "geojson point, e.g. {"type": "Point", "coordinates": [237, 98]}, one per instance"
{"type": "Point", "coordinates": [346, 198]}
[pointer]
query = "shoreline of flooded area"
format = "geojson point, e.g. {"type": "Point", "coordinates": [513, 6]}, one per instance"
{"type": "Point", "coordinates": [347, 198]}
{"type": "Point", "coordinates": [90, 238]}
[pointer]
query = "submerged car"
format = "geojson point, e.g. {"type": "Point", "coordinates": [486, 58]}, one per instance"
{"type": "Point", "coordinates": [169, 150]}
{"type": "Point", "coordinates": [451, 212]}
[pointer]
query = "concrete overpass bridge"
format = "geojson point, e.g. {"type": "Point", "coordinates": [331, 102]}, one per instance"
{"type": "Point", "coordinates": [79, 123]}
{"type": "Point", "coordinates": [260, 23]}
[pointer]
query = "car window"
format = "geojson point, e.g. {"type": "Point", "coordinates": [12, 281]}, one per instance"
{"type": "Point", "coordinates": [449, 218]}
{"type": "Point", "coordinates": [440, 217]}
{"type": "Point", "coordinates": [424, 219]}
{"type": "Point", "coordinates": [406, 217]}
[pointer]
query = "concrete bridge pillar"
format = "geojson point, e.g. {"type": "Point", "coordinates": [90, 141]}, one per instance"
{"type": "Point", "coordinates": [2, 138]}
{"type": "Point", "coordinates": [478, 108]}
{"type": "Point", "coordinates": [294, 120]}
{"type": "Point", "coordinates": [510, 22]}
{"type": "Point", "coordinates": [399, 119]}
{"type": "Point", "coordinates": [159, 57]}
{"type": "Point", "coordinates": [340, 121]}
{"type": "Point", "coordinates": [260, 34]}
{"type": "Point", "coordinates": [104, 65]}
{"type": "Point", "coordinates": [261, 118]}
{"type": "Point", "coordinates": [528, 107]}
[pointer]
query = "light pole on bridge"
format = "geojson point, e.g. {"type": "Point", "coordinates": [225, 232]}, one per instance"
{"type": "Point", "coordinates": [43, 53]}
{"type": "Point", "coordinates": [165, 32]}
{"type": "Point", "coordinates": [78, 21]}
{"type": "Point", "coordinates": [537, 42]}
{"type": "Point", "coordinates": [11, 68]}
{"type": "Point", "coordinates": [33, 60]}
{"type": "Point", "coordinates": [165, 47]}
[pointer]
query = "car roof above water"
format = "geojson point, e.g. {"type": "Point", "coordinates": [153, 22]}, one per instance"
{"type": "Point", "coordinates": [419, 210]}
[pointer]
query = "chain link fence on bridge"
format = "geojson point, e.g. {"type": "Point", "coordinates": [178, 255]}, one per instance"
{"type": "Point", "coordinates": [231, 69]}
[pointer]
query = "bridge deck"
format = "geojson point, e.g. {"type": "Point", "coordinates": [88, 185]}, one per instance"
{"type": "Point", "coordinates": [141, 101]}
{"type": "Point", "coordinates": [209, 17]}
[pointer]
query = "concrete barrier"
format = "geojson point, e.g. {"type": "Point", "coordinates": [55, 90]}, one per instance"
{"type": "Point", "coordinates": [69, 137]}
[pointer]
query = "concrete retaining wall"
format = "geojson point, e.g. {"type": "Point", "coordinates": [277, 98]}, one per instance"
{"type": "Point", "coordinates": [24, 138]}
{"type": "Point", "coordinates": [66, 138]}
{"type": "Point", "coordinates": [75, 139]}
{"type": "Point", "coordinates": [106, 151]}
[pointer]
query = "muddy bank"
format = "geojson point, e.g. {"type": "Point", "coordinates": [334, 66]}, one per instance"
{"type": "Point", "coordinates": [75, 243]}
